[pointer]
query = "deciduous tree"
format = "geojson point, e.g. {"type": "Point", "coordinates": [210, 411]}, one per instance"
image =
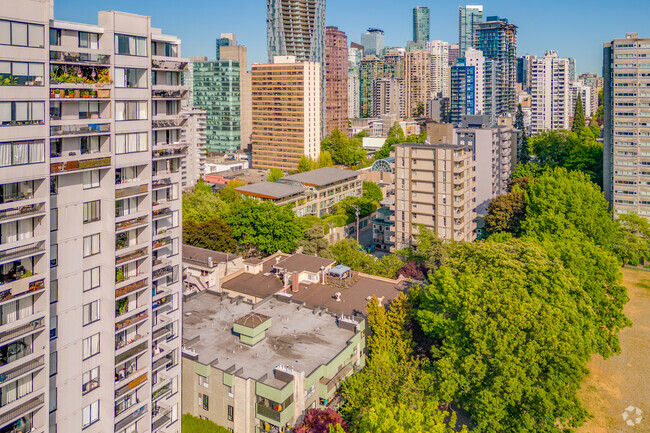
{"type": "Point", "coordinates": [213, 234]}
{"type": "Point", "coordinates": [274, 175]}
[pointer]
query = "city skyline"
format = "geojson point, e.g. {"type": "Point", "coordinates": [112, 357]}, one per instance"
{"type": "Point", "coordinates": [577, 32]}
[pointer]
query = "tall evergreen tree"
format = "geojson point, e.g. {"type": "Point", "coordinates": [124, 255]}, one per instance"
{"type": "Point", "coordinates": [578, 117]}
{"type": "Point", "coordinates": [524, 153]}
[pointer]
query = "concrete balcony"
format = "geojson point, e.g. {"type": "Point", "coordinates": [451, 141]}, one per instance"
{"type": "Point", "coordinates": [21, 252]}
{"type": "Point", "coordinates": [22, 330]}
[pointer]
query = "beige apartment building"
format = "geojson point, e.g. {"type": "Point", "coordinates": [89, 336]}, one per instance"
{"type": "Point", "coordinates": [310, 193]}
{"type": "Point", "coordinates": [286, 113]}
{"type": "Point", "coordinates": [434, 186]}
{"type": "Point", "coordinates": [90, 214]}
{"type": "Point", "coordinates": [418, 74]}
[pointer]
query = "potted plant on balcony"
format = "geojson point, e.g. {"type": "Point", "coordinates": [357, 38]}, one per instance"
{"type": "Point", "coordinates": [122, 306]}
{"type": "Point", "coordinates": [119, 275]}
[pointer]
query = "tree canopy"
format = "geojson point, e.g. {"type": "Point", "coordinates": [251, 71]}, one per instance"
{"type": "Point", "coordinates": [264, 226]}
{"type": "Point", "coordinates": [202, 204]}
{"type": "Point", "coordinates": [321, 421]}
{"type": "Point", "coordinates": [213, 234]}
{"type": "Point", "coordinates": [578, 117]}
{"type": "Point", "coordinates": [344, 150]}
{"type": "Point", "coordinates": [274, 175]}
{"type": "Point", "coordinates": [507, 337]}
{"type": "Point", "coordinates": [395, 136]}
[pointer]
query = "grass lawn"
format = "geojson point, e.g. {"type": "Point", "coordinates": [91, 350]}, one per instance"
{"type": "Point", "coordinates": [621, 381]}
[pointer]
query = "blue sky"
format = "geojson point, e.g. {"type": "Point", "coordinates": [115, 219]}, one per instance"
{"type": "Point", "coordinates": [574, 28]}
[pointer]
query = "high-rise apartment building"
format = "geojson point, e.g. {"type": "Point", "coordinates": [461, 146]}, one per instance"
{"type": "Point", "coordinates": [336, 80]}
{"type": "Point", "coordinates": [497, 38]}
{"type": "Point", "coordinates": [286, 113]}
{"type": "Point", "coordinates": [224, 40]}
{"type": "Point", "coordinates": [472, 87]}
{"type": "Point", "coordinates": [91, 223]}
{"type": "Point", "coordinates": [193, 135]}
{"type": "Point", "coordinates": [417, 76]}
{"type": "Point", "coordinates": [370, 68]}
{"type": "Point", "coordinates": [355, 54]}
{"type": "Point", "coordinates": [524, 65]}
{"type": "Point", "coordinates": [550, 93]}
{"type": "Point", "coordinates": [587, 95]}
{"type": "Point", "coordinates": [296, 28]}
{"type": "Point", "coordinates": [421, 24]}
{"type": "Point", "coordinates": [373, 42]}
{"type": "Point", "coordinates": [434, 186]}
{"type": "Point", "coordinates": [469, 17]}
{"type": "Point", "coordinates": [626, 134]}
{"type": "Point", "coordinates": [389, 97]}
{"type": "Point", "coordinates": [439, 82]}
{"type": "Point", "coordinates": [454, 53]}
{"type": "Point", "coordinates": [222, 89]}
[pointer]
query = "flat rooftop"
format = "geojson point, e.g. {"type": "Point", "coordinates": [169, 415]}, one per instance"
{"type": "Point", "coordinates": [322, 176]}
{"type": "Point", "coordinates": [304, 262]}
{"type": "Point", "coordinates": [271, 190]}
{"type": "Point", "coordinates": [200, 256]}
{"type": "Point", "coordinates": [354, 300]}
{"type": "Point", "coordinates": [297, 337]}
{"type": "Point", "coordinates": [259, 286]}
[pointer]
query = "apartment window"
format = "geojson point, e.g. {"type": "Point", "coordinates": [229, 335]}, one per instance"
{"type": "Point", "coordinates": [21, 34]}
{"type": "Point", "coordinates": [54, 255]}
{"type": "Point", "coordinates": [90, 179]}
{"type": "Point", "coordinates": [90, 346]}
{"type": "Point", "coordinates": [130, 143]}
{"type": "Point", "coordinates": [203, 401]}
{"type": "Point", "coordinates": [21, 74]}
{"type": "Point", "coordinates": [22, 113]}
{"type": "Point", "coordinates": [91, 312]}
{"type": "Point", "coordinates": [52, 401]}
{"type": "Point", "coordinates": [91, 245]}
{"type": "Point", "coordinates": [231, 413]}
{"type": "Point", "coordinates": [90, 414]}
{"type": "Point", "coordinates": [131, 110]}
{"type": "Point", "coordinates": [54, 291]}
{"type": "Point", "coordinates": [88, 40]}
{"type": "Point", "coordinates": [126, 206]}
{"type": "Point", "coordinates": [203, 381]}
{"type": "Point", "coordinates": [54, 185]}
{"type": "Point", "coordinates": [131, 45]}
{"type": "Point", "coordinates": [55, 37]}
{"type": "Point", "coordinates": [16, 310]}
{"type": "Point", "coordinates": [53, 363]}
{"type": "Point", "coordinates": [54, 219]}
{"type": "Point", "coordinates": [130, 77]}
{"type": "Point", "coordinates": [90, 380]}
{"type": "Point", "coordinates": [125, 174]}
{"type": "Point", "coordinates": [53, 327]}
{"type": "Point", "coordinates": [16, 231]}
{"type": "Point", "coordinates": [89, 145]}
{"type": "Point", "coordinates": [92, 211]}
{"type": "Point", "coordinates": [17, 389]}
{"type": "Point", "coordinates": [21, 153]}
{"type": "Point", "coordinates": [91, 279]}
{"type": "Point", "coordinates": [89, 110]}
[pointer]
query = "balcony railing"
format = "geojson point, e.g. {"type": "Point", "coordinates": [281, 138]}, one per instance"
{"type": "Point", "coordinates": [168, 123]}
{"type": "Point", "coordinates": [134, 190]}
{"type": "Point", "coordinates": [163, 153]}
{"type": "Point", "coordinates": [130, 353]}
{"type": "Point", "coordinates": [130, 288]}
{"type": "Point", "coordinates": [131, 256]}
{"type": "Point", "coordinates": [131, 320]}
{"type": "Point", "coordinates": [161, 213]}
{"type": "Point", "coordinates": [83, 164]}
{"type": "Point", "coordinates": [268, 412]}
{"type": "Point", "coordinates": [131, 418]}
{"type": "Point", "coordinates": [169, 65]}
{"type": "Point", "coordinates": [72, 57]}
{"type": "Point", "coordinates": [161, 272]}
{"type": "Point", "coordinates": [31, 209]}
{"type": "Point", "coordinates": [27, 250]}
{"type": "Point", "coordinates": [21, 330]}
{"type": "Point", "coordinates": [93, 128]}
{"type": "Point", "coordinates": [132, 223]}
{"type": "Point", "coordinates": [22, 410]}
{"type": "Point", "coordinates": [16, 290]}
{"type": "Point", "coordinates": [22, 369]}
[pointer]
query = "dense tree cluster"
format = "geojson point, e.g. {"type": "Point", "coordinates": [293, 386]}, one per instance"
{"type": "Point", "coordinates": [321, 421]}
{"type": "Point", "coordinates": [344, 150]}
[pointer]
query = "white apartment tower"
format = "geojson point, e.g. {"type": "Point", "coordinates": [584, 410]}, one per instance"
{"type": "Point", "coordinates": [551, 93]}
{"type": "Point", "coordinates": [440, 79]}
{"type": "Point", "coordinates": [193, 134]}
{"type": "Point", "coordinates": [91, 223]}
